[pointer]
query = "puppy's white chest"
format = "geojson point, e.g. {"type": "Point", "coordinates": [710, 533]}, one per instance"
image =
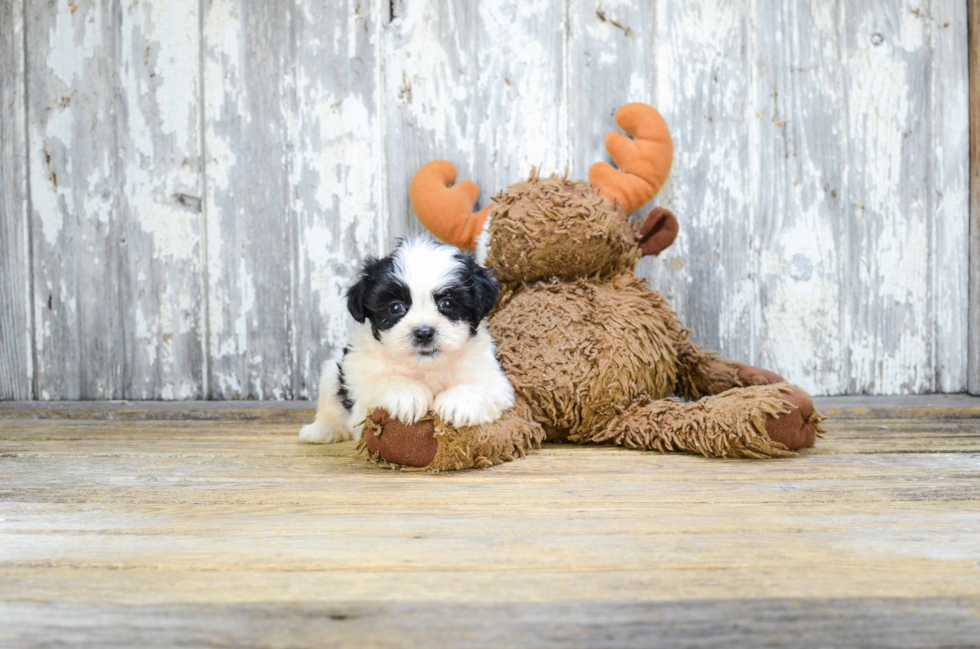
{"type": "Point", "coordinates": [437, 380]}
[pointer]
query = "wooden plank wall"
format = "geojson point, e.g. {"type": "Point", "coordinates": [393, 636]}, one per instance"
{"type": "Point", "coordinates": [188, 186]}
{"type": "Point", "coordinates": [974, 306]}
{"type": "Point", "coordinates": [16, 346]}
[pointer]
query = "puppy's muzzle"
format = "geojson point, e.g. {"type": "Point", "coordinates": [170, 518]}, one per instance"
{"type": "Point", "coordinates": [423, 337]}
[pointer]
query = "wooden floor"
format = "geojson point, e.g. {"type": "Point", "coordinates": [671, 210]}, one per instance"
{"type": "Point", "coordinates": [136, 531]}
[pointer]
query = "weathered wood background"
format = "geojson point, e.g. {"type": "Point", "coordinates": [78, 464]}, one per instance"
{"type": "Point", "coordinates": [188, 186]}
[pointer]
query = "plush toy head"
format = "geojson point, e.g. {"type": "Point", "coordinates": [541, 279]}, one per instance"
{"type": "Point", "coordinates": [553, 227]}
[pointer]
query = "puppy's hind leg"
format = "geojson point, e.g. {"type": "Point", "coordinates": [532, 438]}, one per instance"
{"type": "Point", "coordinates": [330, 424]}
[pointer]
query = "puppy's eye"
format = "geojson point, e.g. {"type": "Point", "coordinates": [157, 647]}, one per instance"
{"type": "Point", "coordinates": [397, 308]}
{"type": "Point", "coordinates": [445, 303]}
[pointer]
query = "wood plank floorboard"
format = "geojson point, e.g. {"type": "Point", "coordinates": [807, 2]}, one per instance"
{"type": "Point", "coordinates": [226, 532]}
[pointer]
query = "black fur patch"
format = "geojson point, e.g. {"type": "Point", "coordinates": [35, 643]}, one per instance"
{"type": "Point", "coordinates": [472, 295]}
{"type": "Point", "coordinates": [375, 295]}
{"type": "Point", "coordinates": [342, 392]}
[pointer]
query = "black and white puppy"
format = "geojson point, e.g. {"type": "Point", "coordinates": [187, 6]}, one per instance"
{"type": "Point", "coordinates": [420, 344]}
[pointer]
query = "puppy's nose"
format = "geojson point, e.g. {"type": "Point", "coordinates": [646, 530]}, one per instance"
{"type": "Point", "coordinates": [423, 335]}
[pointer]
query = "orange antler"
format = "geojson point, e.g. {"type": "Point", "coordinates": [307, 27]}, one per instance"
{"type": "Point", "coordinates": [644, 161]}
{"type": "Point", "coordinates": [446, 210]}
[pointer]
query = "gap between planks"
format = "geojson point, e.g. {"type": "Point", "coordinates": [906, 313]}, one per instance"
{"type": "Point", "coordinates": [931, 406]}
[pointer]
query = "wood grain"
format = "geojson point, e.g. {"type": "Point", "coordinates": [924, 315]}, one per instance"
{"type": "Point", "coordinates": [159, 164]}
{"type": "Point", "coordinates": [480, 84]}
{"type": "Point", "coordinates": [948, 183]}
{"type": "Point", "coordinates": [295, 191]}
{"type": "Point", "coordinates": [16, 331]}
{"type": "Point", "coordinates": [933, 406]}
{"type": "Point", "coordinates": [791, 256]}
{"type": "Point", "coordinates": [230, 530]}
{"type": "Point", "coordinates": [205, 178]}
{"type": "Point", "coordinates": [251, 230]}
{"type": "Point", "coordinates": [337, 172]}
{"type": "Point", "coordinates": [973, 316]}
{"type": "Point", "coordinates": [886, 255]}
{"type": "Point", "coordinates": [115, 186]}
{"type": "Point", "coordinates": [788, 622]}
{"type": "Point", "coordinates": [799, 224]}
{"type": "Point", "coordinates": [75, 196]}
{"type": "Point", "coordinates": [688, 61]}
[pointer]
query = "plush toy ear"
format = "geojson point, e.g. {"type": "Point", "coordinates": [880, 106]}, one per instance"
{"type": "Point", "coordinates": [658, 231]}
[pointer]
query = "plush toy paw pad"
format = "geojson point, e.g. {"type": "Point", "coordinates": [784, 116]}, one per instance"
{"type": "Point", "coordinates": [794, 429]}
{"type": "Point", "coordinates": [400, 443]}
{"type": "Point", "coordinates": [749, 375]}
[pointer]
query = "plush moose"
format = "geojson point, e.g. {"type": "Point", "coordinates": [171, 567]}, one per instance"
{"type": "Point", "coordinates": [593, 353]}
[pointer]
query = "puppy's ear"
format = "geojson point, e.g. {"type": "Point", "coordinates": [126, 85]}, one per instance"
{"type": "Point", "coordinates": [484, 286]}
{"type": "Point", "coordinates": [357, 293]}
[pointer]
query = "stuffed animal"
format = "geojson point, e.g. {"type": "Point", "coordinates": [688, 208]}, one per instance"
{"type": "Point", "coordinates": [593, 353]}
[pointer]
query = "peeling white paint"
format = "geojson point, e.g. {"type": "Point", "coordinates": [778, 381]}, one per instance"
{"type": "Point", "coordinates": [174, 233]}
{"type": "Point", "coordinates": [819, 176]}
{"type": "Point", "coordinates": [73, 40]}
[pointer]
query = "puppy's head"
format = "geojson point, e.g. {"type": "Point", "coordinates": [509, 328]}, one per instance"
{"type": "Point", "coordinates": [424, 300]}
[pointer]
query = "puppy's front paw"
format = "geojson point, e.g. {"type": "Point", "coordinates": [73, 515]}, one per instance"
{"type": "Point", "coordinates": [320, 432]}
{"type": "Point", "coordinates": [408, 404]}
{"type": "Point", "coordinates": [466, 406]}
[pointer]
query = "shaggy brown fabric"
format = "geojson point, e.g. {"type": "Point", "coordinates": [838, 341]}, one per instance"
{"type": "Point", "coordinates": [730, 424]}
{"type": "Point", "coordinates": [554, 227]}
{"type": "Point", "coordinates": [504, 440]}
{"type": "Point", "coordinates": [595, 352]}
{"type": "Point", "coordinates": [701, 373]}
{"type": "Point", "coordinates": [581, 351]}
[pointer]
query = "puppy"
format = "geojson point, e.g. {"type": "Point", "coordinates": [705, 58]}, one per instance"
{"type": "Point", "coordinates": [420, 344]}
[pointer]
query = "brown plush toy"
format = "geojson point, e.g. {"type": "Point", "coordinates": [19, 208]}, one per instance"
{"type": "Point", "coordinates": [593, 353]}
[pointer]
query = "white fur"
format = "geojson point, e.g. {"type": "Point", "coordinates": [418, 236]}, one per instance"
{"type": "Point", "coordinates": [330, 424]}
{"type": "Point", "coordinates": [463, 382]}
{"type": "Point", "coordinates": [483, 243]}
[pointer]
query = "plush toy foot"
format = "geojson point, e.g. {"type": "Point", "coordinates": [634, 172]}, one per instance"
{"type": "Point", "coordinates": [433, 445]}
{"type": "Point", "coordinates": [397, 443]}
{"type": "Point", "coordinates": [795, 429]}
{"type": "Point", "coordinates": [750, 375]}
{"type": "Point", "coordinates": [799, 427]}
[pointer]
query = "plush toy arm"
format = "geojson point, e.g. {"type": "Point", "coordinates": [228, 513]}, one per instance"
{"type": "Point", "coordinates": [446, 210]}
{"type": "Point", "coordinates": [702, 372]}
{"type": "Point", "coordinates": [644, 161]}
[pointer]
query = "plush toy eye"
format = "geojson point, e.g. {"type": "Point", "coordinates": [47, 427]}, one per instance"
{"type": "Point", "coordinates": [397, 308]}
{"type": "Point", "coordinates": [445, 304]}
